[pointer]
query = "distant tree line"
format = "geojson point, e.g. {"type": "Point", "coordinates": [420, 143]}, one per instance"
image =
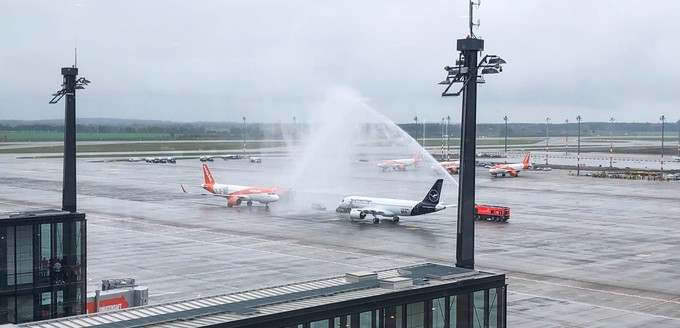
{"type": "Point", "coordinates": [260, 131]}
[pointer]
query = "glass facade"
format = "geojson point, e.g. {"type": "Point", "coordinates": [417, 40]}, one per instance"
{"type": "Point", "coordinates": [480, 308]}
{"type": "Point", "coordinates": [41, 266]}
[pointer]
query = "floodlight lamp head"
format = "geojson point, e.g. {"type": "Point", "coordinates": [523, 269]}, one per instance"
{"type": "Point", "coordinates": [445, 82]}
{"type": "Point", "coordinates": [490, 71]}
{"type": "Point", "coordinates": [454, 71]}
{"type": "Point", "coordinates": [494, 59]}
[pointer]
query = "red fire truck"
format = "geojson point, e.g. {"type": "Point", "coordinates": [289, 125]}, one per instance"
{"type": "Point", "coordinates": [492, 213]}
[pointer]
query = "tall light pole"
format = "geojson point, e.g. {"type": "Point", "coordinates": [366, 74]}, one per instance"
{"type": "Point", "coordinates": [415, 134]}
{"type": "Point", "coordinates": [547, 125]}
{"type": "Point", "coordinates": [678, 122]}
{"type": "Point", "coordinates": [566, 137]}
{"type": "Point", "coordinates": [468, 70]}
{"type": "Point", "coordinates": [294, 128]}
{"type": "Point", "coordinates": [611, 142]}
{"type": "Point", "coordinates": [442, 134]}
{"type": "Point", "coordinates": [505, 149]}
{"type": "Point", "coordinates": [69, 86]}
{"type": "Point", "coordinates": [663, 123]}
{"type": "Point", "coordinates": [244, 136]}
{"type": "Point", "coordinates": [423, 133]}
{"type": "Point", "coordinates": [448, 148]}
{"type": "Point", "coordinates": [578, 151]}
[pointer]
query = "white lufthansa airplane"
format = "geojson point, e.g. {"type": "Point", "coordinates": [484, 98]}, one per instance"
{"type": "Point", "coordinates": [510, 169]}
{"type": "Point", "coordinates": [359, 207]}
{"type": "Point", "coordinates": [235, 195]}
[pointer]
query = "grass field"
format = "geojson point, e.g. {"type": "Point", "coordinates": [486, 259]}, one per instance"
{"type": "Point", "coordinates": [134, 147]}
{"type": "Point", "coordinates": [81, 136]}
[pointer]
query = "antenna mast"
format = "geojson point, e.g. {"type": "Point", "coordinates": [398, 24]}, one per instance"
{"type": "Point", "coordinates": [472, 24]}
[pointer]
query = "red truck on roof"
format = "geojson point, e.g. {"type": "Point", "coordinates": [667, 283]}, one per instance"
{"type": "Point", "coordinates": [492, 213]}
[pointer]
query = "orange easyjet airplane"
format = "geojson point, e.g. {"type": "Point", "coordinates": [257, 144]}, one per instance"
{"type": "Point", "coordinates": [399, 164]}
{"type": "Point", "coordinates": [510, 169]}
{"type": "Point", "coordinates": [236, 195]}
{"type": "Point", "coordinates": [451, 167]}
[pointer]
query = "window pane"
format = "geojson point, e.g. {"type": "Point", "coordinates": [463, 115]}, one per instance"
{"type": "Point", "coordinates": [45, 252]}
{"type": "Point", "coordinates": [24, 308]}
{"type": "Point", "coordinates": [24, 246]}
{"type": "Point", "coordinates": [415, 316]}
{"type": "Point", "coordinates": [493, 308]}
{"type": "Point", "coordinates": [438, 312]}
{"type": "Point", "coordinates": [45, 305]}
{"type": "Point", "coordinates": [365, 319]}
{"type": "Point", "coordinates": [59, 240]}
{"type": "Point", "coordinates": [11, 310]}
{"type": "Point", "coordinates": [319, 324]}
{"type": "Point", "coordinates": [478, 309]}
{"type": "Point", "coordinates": [452, 311]}
{"type": "Point", "coordinates": [11, 265]}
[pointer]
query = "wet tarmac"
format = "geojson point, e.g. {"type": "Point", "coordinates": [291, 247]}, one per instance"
{"type": "Point", "coordinates": [577, 251]}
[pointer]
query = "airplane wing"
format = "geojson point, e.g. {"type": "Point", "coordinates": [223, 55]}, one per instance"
{"type": "Point", "coordinates": [228, 196]}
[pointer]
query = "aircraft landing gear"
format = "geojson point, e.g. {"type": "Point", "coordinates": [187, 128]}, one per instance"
{"type": "Point", "coordinates": [249, 203]}
{"type": "Point", "coordinates": [376, 220]}
{"type": "Point", "coordinates": [395, 219]}
{"type": "Point", "coordinates": [266, 207]}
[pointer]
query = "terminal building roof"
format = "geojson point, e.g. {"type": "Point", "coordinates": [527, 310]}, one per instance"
{"type": "Point", "coordinates": [211, 310]}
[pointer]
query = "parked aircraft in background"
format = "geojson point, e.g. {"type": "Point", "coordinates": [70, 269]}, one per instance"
{"type": "Point", "coordinates": [510, 169]}
{"type": "Point", "coordinates": [399, 164]}
{"type": "Point", "coordinates": [451, 167]}
{"type": "Point", "coordinates": [236, 195]}
{"type": "Point", "coordinates": [676, 158]}
{"type": "Point", "coordinates": [359, 207]}
{"type": "Point", "coordinates": [231, 156]}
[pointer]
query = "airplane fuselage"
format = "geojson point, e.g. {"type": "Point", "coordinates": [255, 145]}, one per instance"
{"type": "Point", "coordinates": [506, 169]}
{"type": "Point", "coordinates": [391, 207]}
{"type": "Point", "coordinates": [245, 193]}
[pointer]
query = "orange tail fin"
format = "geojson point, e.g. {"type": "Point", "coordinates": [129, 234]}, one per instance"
{"type": "Point", "coordinates": [417, 158]}
{"type": "Point", "coordinates": [526, 160]}
{"type": "Point", "coordinates": [207, 176]}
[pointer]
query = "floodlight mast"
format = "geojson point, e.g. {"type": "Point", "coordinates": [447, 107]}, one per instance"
{"type": "Point", "coordinates": [467, 71]}
{"type": "Point", "coordinates": [69, 86]}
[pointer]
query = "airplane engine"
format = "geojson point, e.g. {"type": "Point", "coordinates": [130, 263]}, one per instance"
{"type": "Point", "coordinates": [514, 173]}
{"type": "Point", "coordinates": [234, 201]}
{"type": "Point", "coordinates": [357, 214]}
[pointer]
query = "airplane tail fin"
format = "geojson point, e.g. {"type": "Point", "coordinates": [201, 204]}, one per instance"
{"type": "Point", "coordinates": [207, 176]}
{"type": "Point", "coordinates": [432, 197]}
{"type": "Point", "coordinates": [526, 160]}
{"type": "Point", "coordinates": [417, 158]}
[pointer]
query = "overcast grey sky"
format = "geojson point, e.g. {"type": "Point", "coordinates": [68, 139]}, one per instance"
{"type": "Point", "coordinates": [272, 60]}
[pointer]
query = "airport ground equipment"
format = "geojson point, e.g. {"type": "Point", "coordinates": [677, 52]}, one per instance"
{"type": "Point", "coordinates": [492, 213]}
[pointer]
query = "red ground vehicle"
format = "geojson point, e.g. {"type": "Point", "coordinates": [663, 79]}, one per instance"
{"type": "Point", "coordinates": [492, 213]}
